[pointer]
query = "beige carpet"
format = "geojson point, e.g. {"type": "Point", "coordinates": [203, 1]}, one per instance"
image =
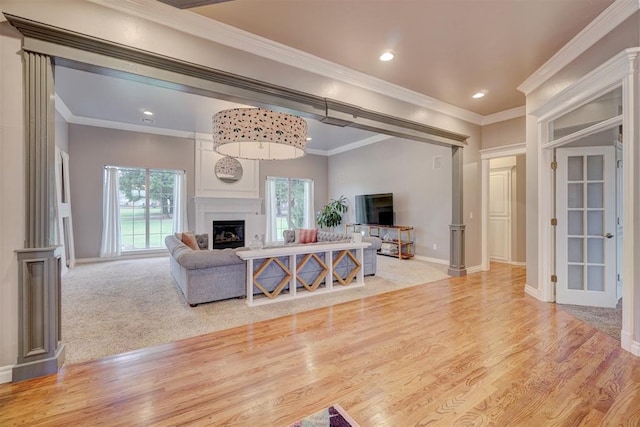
{"type": "Point", "coordinates": [114, 307]}
{"type": "Point", "coordinates": [608, 320]}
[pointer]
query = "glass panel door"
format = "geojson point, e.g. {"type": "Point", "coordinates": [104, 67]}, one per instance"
{"type": "Point", "coordinates": [586, 213]}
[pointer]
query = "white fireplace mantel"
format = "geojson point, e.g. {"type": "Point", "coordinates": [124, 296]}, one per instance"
{"type": "Point", "coordinates": [209, 209]}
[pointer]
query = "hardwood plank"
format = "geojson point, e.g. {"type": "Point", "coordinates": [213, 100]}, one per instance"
{"type": "Point", "coordinates": [473, 350]}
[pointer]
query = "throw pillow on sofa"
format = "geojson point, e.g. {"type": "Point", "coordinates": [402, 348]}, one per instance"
{"type": "Point", "coordinates": [190, 240]}
{"type": "Point", "coordinates": [289, 236]}
{"type": "Point", "coordinates": [306, 235]}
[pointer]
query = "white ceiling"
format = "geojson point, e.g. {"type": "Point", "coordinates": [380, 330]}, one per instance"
{"type": "Point", "coordinates": [101, 100]}
{"type": "Point", "coordinates": [445, 49]}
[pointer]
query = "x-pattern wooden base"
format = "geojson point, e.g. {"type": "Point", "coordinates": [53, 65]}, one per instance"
{"type": "Point", "coordinates": [352, 274]}
{"type": "Point", "coordinates": [320, 276]}
{"type": "Point", "coordinates": [301, 276]}
{"type": "Point", "coordinates": [287, 277]}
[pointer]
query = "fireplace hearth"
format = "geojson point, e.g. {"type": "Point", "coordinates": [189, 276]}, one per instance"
{"type": "Point", "coordinates": [228, 234]}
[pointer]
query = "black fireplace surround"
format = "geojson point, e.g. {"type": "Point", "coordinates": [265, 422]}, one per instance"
{"type": "Point", "coordinates": [228, 234]}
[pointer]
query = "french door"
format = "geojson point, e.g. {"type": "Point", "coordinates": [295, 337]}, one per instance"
{"type": "Point", "coordinates": [585, 211]}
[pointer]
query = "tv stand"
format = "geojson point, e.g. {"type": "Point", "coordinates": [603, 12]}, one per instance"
{"type": "Point", "coordinates": [397, 240]}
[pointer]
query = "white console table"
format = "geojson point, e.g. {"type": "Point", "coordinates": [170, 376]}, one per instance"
{"type": "Point", "coordinates": [270, 255]}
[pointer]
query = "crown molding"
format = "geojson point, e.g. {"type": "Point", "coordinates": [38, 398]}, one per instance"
{"type": "Point", "coordinates": [503, 151]}
{"type": "Point", "coordinates": [362, 143]}
{"type": "Point", "coordinates": [218, 32]}
{"type": "Point", "coordinates": [326, 153]}
{"type": "Point", "coordinates": [352, 146]}
{"type": "Point", "coordinates": [602, 79]}
{"type": "Point", "coordinates": [203, 136]}
{"type": "Point", "coordinates": [62, 108]}
{"type": "Point", "coordinates": [501, 116]}
{"type": "Point", "coordinates": [323, 153]}
{"type": "Point", "coordinates": [88, 121]}
{"type": "Point", "coordinates": [604, 23]}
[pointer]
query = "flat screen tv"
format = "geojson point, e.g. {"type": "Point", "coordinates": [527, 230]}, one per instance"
{"type": "Point", "coordinates": [374, 209]}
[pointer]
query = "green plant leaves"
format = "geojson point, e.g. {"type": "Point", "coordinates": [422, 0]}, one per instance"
{"type": "Point", "coordinates": [331, 214]}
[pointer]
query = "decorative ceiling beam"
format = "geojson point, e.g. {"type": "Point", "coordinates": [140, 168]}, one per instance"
{"type": "Point", "coordinates": [111, 58]}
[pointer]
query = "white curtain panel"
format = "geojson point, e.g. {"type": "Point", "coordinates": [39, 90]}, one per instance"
{"type": "Point", "coordinates": [309, 212]}
{"type": "Point", "coordinates": [180, 221]}
{"type": "Point", "coordinates": [270, 209]}
{"type": "Point", "coordinates": [111, 242]}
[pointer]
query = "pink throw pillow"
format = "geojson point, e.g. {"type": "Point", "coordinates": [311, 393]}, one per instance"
{"type": "Point", "coordinates": [190, 240]}
{"type": "Point", "coordinates": [306, 235]}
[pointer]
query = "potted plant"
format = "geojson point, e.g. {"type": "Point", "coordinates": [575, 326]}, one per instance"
{"type": "Point", "coordinates": [331, 214]}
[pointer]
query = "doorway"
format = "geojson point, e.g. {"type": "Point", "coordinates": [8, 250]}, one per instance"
{"type": "Point", "coordinates": [603, 100]}
{"type": "Point", "coordinates": [502, 157]}
{"type": "Point", "coordinates": [586, 255]}
{"type": "Point", "coordinates": [507, 210]}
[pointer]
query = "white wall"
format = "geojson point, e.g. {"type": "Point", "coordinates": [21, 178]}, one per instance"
{"type": "Point", "coordinates": [12, 209]}
{"type": "Point", "coordinates": [504, 133]}
{"type": "Point", "coordinates": [421, 194]}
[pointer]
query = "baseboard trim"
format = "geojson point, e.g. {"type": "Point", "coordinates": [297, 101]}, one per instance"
{"type": "Point", "coordinates": [138, 255]}
{"type": "Point", "coordinates": [39, 368]}
{"type": "Point", "coordinates": [474, 269]}
{"type": "Point", "coordinates": [528, 289]}
{"type": "Point", "coordinates": [629, 344]}
{"type": "Point", "coordinates": [516, 263]}
{"type": "Point", "coordinates": [6, 374]}
{"type": "Point", "coordinates": [433, 260]}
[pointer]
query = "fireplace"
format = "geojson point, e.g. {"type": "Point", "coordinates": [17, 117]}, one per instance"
{"type": "Point", "coordinates": [228, 234]}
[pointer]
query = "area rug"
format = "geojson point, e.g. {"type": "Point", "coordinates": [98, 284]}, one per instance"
{"type": "Point", "coordinates": [115, 307]}
{"type": "Point", "coordinates": [333, 416]}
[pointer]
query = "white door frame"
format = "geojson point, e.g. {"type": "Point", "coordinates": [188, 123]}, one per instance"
{"type": "Point", "coordinates": [64, 223]}
{"type": "Point", "coordinates": [485, 156]}
{"type": "Point", "coordinates": [621, 70]}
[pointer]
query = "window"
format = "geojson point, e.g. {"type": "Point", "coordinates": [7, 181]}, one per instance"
{"type": "Point", "coordinates": [146, 198]}
{"type": "Point", "coordinates": [596, 112]}
{"type": "Point", "coordinates": [289, 205]}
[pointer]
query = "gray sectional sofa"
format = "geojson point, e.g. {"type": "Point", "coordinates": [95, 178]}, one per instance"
{"type": "Point", "coordinates": [206, 275]}
{"type": "Point", "coordinates": [211, 275]}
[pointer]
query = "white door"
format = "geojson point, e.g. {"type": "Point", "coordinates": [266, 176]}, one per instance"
{"type": "Point", "coordinates": [500, 214]}
{"type": "Point", "coordinates": [585, 210]}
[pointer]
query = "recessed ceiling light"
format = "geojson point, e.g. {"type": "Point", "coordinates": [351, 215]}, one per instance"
{"type": "Point", "coordinates": [386, 56]}
{"type": "Point", "coordinates": [478, 95]}
{"type": "Point", "coordinates": [147, 113]}
{"type": "Point", "coordinates": [309, 138]}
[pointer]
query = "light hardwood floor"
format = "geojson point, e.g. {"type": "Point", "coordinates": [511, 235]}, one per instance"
{"type": "Point", "coordinates": [462, 351]}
